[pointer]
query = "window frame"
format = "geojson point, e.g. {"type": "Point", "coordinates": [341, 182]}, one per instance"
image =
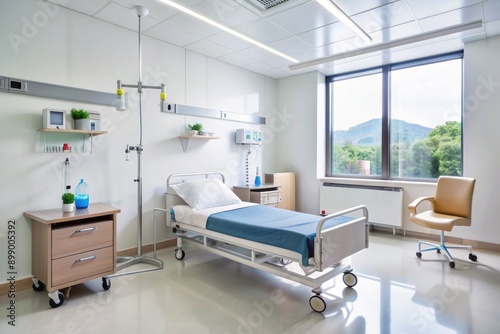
{"type": "Point", "coordinates": [386, 113]}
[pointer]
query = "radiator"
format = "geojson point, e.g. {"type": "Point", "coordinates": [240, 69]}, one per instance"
{"type": "Point", "coordinates": [385, 204]}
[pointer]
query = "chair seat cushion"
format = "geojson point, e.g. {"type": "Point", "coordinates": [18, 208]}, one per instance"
{"type": "Point", "coordinates": [438, 221]}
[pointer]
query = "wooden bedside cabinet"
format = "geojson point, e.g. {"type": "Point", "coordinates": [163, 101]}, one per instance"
{"type": "Point", "coordinates": [72, 248]}
{"type": "Point", "coordinates": [286, 182]}
{"type": "Point", "coordinates": [266, 194]}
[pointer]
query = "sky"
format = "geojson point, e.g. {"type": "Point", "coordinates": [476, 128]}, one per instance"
{"type": "Point", "coordinates": [427, 95]}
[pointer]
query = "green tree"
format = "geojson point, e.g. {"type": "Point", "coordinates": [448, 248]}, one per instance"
{"type": "Point", "coordinates": [438, 154]}
{"type": "Point", "coordinates": [421, 160]}
{"type": "Point", "coordinates": [447, 154]}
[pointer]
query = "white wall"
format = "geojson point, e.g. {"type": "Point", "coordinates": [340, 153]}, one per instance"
{"type": "Point", "coordinates": [296, 150]}
{"type": "Point", "coordinates": [298, 135]}
{"type": "Point", "coordinates": [76, 50]}
{"type": "Point", "coordinates": [481, 135]}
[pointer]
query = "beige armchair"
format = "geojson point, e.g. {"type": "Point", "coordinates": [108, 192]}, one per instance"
{"type": "Point", "coordinates": [450, 206]}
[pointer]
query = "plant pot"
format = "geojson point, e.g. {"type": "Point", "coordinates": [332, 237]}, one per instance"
{"type": "Point", "coordinates": [83, 124]}
{"type": "Point", "coordinates": [68, 207]}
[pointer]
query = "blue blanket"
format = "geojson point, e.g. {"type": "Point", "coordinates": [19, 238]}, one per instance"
{"type": "Point", "coordinates": [286, 229]}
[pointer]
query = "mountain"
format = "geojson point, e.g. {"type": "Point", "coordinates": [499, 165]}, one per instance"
{"type": "Point", "coordinates": [369, 133]}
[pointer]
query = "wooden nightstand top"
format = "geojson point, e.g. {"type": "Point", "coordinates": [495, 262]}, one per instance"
{"type": "Point", "coordinates": [261, 187]}
{"type": "Point", "coordinates": [53, 216]}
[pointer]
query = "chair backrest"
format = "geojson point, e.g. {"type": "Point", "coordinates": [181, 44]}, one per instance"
{"type": "Point", "coordinates": [454, 196]}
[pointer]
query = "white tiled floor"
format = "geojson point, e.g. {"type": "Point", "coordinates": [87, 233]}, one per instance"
{"type": "Point", "coordinates": [396, 293]}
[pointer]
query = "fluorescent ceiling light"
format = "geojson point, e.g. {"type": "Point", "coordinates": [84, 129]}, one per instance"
{"type": "Point", "coordinates": [345, 19]}
{"type": "Point", "coordinates": [391, 44]}
{"type": "Point", "coordinates": [226, 29]}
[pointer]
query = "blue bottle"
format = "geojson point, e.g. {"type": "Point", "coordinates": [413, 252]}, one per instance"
{"type": "Point", "coordinates": [82, 195]}
{"type": "Point", "coordinates": [258, 180]}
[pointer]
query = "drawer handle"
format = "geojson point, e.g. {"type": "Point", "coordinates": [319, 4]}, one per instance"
{"type": "Point", "coordinates": [88, 229]}
{"type": "Point", "coordinates": [88, 258]}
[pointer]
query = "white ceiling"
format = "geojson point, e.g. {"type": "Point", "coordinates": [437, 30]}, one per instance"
{"type": "Point", "coordinates": [303, 29]}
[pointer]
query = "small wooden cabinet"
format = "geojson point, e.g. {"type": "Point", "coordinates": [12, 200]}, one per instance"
{"type": "Point", "coordinates": [72, 248]}
{"type": "Point", "coordinates": [286, 182]}
{"type": "Point", "coordinates": [264, 194]}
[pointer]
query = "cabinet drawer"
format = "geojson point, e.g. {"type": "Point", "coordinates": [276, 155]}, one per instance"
{"type": "Point", "coordinates": [79, 266]}
{"type": "Point", "coordinates": [269, 197]}
{"type": "Point", "coordinates": [81, 238]}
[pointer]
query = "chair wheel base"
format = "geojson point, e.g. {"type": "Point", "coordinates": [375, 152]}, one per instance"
{"type": "Point", "coordinates": [419, 255]}
{"type": "Point", "coordinates": [473, 257]}
{"type": "Point", "coordinates": [452, 264]}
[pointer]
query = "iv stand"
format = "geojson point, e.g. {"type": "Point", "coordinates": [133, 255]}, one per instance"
{"type": "Point", "coordinates": [126, 261]}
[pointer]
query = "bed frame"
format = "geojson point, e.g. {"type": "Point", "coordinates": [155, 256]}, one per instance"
{"type": "Point", "coordinates": [332, 246]}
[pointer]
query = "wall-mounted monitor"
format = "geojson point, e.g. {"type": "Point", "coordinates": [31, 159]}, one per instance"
{"type": "Point", "coordinates": [54, 119]}
{"type": "Point", "coordinates": [252, 137]}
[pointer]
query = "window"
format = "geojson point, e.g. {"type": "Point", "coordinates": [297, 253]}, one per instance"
{"type": "Point", "coordinates": [357, 132]}
{"type": "Point", "coordinates": [401, 121]}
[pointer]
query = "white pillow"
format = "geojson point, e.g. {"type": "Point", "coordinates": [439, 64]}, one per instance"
{"type": "Point", "coordinates": [205, 193]}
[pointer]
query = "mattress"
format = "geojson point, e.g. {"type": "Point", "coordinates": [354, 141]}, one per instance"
{"type": "Point", "coordinates": [291, 230]}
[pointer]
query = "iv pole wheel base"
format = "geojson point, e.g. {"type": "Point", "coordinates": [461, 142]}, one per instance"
{"type": "Point", "coordinates": [140, 10]}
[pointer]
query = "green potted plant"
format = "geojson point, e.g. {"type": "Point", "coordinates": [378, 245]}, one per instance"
{"type": "Point", "coordinates": [81, 119]}
{"type": "Point", "coordinates": [194, 129]}
{"type": "Point", "coordinates": [68, 200]}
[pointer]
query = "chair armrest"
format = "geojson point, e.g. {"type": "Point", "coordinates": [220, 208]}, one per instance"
{"type": "Point", "coordinates": [412, 207]}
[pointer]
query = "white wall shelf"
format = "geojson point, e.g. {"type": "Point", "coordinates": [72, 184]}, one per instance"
{"type": "Point", "coordinates": [88, 132]}
{"type": "Point", "coordinates": [185, 139]}
{"type": "Point", "coordinates": [44, 148]}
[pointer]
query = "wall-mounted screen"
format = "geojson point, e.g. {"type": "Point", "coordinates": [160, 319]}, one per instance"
{"type": "Point", "coordinates": [54, 118]}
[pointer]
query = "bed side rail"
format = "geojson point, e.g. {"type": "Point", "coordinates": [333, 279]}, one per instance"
{"type": "Point", "coordinates": [334, 244]}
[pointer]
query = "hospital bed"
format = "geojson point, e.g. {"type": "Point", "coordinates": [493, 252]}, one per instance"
{"type": "Point", "coordinates": [303, 248]}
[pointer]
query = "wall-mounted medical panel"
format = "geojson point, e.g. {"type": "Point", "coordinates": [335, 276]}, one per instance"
{"type": "Point", "coordinates": [210, 113]}
{"type": "Point", "coordinates": [249, 137]}
{"type": "Point", "coordinates": [231, 116]}
{"type": "Point", "coordinates": [3, 85]}
{"type": "Point", "coordinates": [41, 89]}
{"type": "Point", "coordinates": [195, 111]}
{"type": "Point", "coordinates": [17, 86]}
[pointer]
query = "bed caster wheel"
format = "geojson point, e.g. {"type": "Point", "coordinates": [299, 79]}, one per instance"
{"type": "Point", "coordinates": [419, 255]}
{"type": "Point", "coordinates": [350, 279]}
{"type": "Point", "coordinates": [55, 304]}
{"type": "Point", "coordinates": [106, 283]}
{"type": "Point", "coordinates": [452, 264]}
{"type": "Point", "coordinates": [317, 304]}
{"type": "Point", "coordinates": [179, 254]}
{"type": "Point", "coordinates": [473, 257]}
{"type": "Point", "coordinates": [39, 286]}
